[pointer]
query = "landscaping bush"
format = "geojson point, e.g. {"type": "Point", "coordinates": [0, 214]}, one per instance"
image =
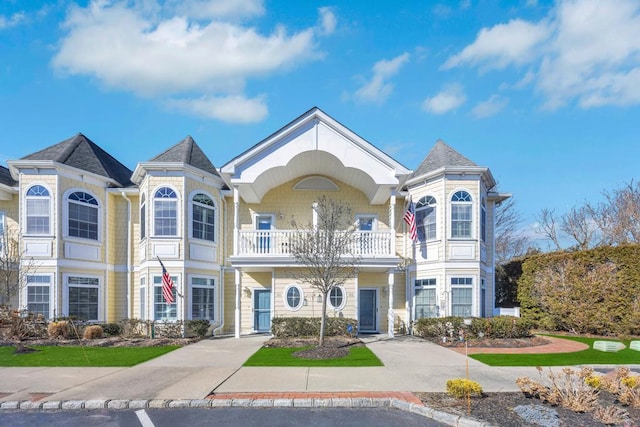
{"type": "Point", "coordinates": [432, 327]}
{"type": "Point", "coordinates": [92, 332]}
{"type": "Point", "coordinates": [199, 327]}
{"type": "Point", "coordinates": [112, 329]}
{"type": "Point", "coordinates": [135, 328]}
{"type": "Point", "coordinates": [291, 327]}
{"type": "Point", "coordinates": [62, 329]}
{"type": "Point", "coordinates": [451, 327]}
{"type": "Point", "coordinates": [173, 329]}
{"type": "Point", "coordinates": [462, 387]}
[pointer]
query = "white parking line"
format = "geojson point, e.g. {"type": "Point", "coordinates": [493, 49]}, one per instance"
{"type": "Point", "coordinates": [144, 419]}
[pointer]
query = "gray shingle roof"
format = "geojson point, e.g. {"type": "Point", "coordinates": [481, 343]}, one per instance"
{"type": "Point", "coordinates": [82, 153]}
{"type": "Point", "coordinates": [187, 151]}
{"type": "Point", "coordinates": [5, 177]}
{"type": "Point", "coordinates": [441, 155]}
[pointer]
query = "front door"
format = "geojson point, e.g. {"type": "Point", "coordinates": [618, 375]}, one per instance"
{"type": "Point", "coordinates": [368, 310]}
{"type": "Point", "coordinates": [262, 310]}
{"type": "Point", "coordinates": [263, 224]}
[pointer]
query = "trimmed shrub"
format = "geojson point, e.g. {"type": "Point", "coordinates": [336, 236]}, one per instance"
{"type": "Point", "coordinates": [112, 329]}
{"type": "Point", "coordinates": [494, 327]}
{"type": "Point", "coordinates": [291, 327]}
{"type": "Point", "coordinates": [135, 328]}
{"type": "Point", "coordinates": [462, 387]}
{"type": "Point", "coordinates": [199, 327]}
{"type": "Point", "coordinates": [432, 327]}
{"type": "Point", "coordinates": [92, 332]}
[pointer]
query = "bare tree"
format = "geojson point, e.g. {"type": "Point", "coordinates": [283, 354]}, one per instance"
{"type": "Point", "coordinates": [326, 251]}
{"type": "Point", "coordinates": [578, 224]}
{"type": "Point", "coordinates": [548, 226]}
{"type": "Point", "coordinates": [14, 268]}
{"type": "Point", "coordinates": [510, 243]}
{"type": "Point", "coordinates": [618, 216]}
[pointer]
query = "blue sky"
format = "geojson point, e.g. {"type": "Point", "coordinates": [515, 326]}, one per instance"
{"type": "Point", "coordinates": [546, 94]}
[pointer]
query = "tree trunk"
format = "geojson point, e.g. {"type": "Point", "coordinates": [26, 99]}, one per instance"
{"type": "Point", "coordinates": [323, 319]}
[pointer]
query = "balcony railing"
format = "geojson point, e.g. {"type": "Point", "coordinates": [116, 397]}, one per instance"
{"type": "Point", "coordinates": [276, 243]}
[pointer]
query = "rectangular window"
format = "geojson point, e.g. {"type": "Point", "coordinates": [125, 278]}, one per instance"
{"type": "Point", "coordinates": [166, 218]}
{"type": "Point", "coordinates": [143, 298]}
{"type": "Point", "coordinates": [202, 298]}
{"type": "Point", "coordinates": [3, 238]}
{"type": "Point", "coordinates": [203, 223]}
{"type": "Point", "coordinates": [461, 296]}
{"type": "Point", "coordinates": [38, 216]}
{"type": "Point", "coordinates": [143, 221]}
{"type": "Point", "coordinates": [83, 221]}
{"type": "Point", "coordinates": [38, 291]}
{"type": "Point", "coordinates": [83, 297]}
{"type": "Point", "coordinates": [483, 224]}
{"type": "Point", "coordinates": [426, 223]}
{"type": "Point", "coordinates": [425, 305]}
{"type": "Point", "coordinates": [460, 220]}
{"type": "Point", "coordinates": [162, 310]}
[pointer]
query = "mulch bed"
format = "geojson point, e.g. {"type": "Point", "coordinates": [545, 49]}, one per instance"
{"type": "Point", "coordinates": [334, 347]}
{"type": "Point", "coordinates": [494, 342]}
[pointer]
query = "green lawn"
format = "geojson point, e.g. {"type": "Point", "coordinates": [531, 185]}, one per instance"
{"type": "Point", "coordinates": [268, 356]}
{"type": "Point", "coordinates": [82, 356]}
{"type": "Point", "coordinates": [584, 357]}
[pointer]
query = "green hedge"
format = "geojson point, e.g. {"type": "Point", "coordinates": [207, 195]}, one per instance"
{"type": "Point", "coordinates": [451, 327]}
{"type": "Point", "coordinates": [588, 292]}
{"type": "Point", "coordinates": [292, 327]}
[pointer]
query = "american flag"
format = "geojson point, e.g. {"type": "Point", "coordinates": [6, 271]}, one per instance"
{"type": "Point", "coordinates": [167, 285]}
{"type": "Point", "coordinates": [410, 219]}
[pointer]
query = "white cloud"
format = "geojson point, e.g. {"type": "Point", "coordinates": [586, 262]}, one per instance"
{"type": "Point", "coordinates": [378, 89]}
{"type": "Point", "coordinates": [11, 21]}
{"type": "Point", "coordinates": [502, 45]}
{"type": "Point", "coordinates": [584, 51]}
{"type": "Point", "coordinates": [328, 20]}
{"type": "Point", "coordinates": [490, 107]}
{"type": "Point", "coordinates": [450, 98]}
{"type": "Point", "coordinates": [148, 50]}
{"type": "Point", "coordinates": [233, 109]}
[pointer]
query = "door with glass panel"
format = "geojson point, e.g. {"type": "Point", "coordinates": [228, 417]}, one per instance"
{"type": "Point", "coordinates": [263, 225]}
{"type": "Point", "coordinates": [262, 310]}
{"type": "Point", "coordinates": [368, 310]}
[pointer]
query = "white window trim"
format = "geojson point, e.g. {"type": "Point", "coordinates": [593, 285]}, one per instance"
{"type": "Point", "coordinates": [473, 205]}
{"type": "Point", "coordinates": [144, 202]}
{"type": "Point", "coordinates": [472, 286]}
{"type": "Point", "coordinates": [190, 277]}
{"type": "Point", "coordinates": [258, 215]}
{"type": "Point", "coordinates": [435, 210]}
{"type": "Point", "coordinates": [374, 225]}
{"type": "Point", "coordinates": [3, 230]}
{"type": "Point", "coordinates": [434, 287]}
{"type": "Point", "coordinates": [152, 287]}
{"type": "Point", "coordinates": [151, 215]}
{"type": "Point", "coordinates": [65, 293]}
{"type": "Point", "coordinates": [344, 299]}
{"type": "Point", "coordinates": [286, 300]}
{"type": "Point", "coordinates": [24, 295]}
{"type": "Point", "coordinates": [65, 217]}
{"type": "Point", "coordinates": [24, 210]}
{"type": "Point", "coordinates": [142, 284]}
{"type": "Point", "coordinates": [216, 213]}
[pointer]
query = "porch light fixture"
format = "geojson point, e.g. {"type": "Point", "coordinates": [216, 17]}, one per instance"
{"type": "Point", "coordinates": [304, 302]}
{"type": "Point", "coordinates": [319, 298]}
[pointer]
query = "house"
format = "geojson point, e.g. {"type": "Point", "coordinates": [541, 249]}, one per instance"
{"type": "Point", "coordinates": [96, 231]}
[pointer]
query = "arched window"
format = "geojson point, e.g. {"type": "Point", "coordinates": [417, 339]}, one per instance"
{"type": "Point", "coordinates": [461, 215]}
{"type": "Point", "coordinates": [83, 215]}
{"type": "Point", "coordinates": [165, 206]}
{"type": "Point", "coordinates": [203, 221]}
{"type": "Point", "coordinates": [336, 297]}
{"type": "Point", "coordinates": [426, 218]}
{"type": "Point", "coordinates": [143, 216]}
{"type": "Point", "coordinates": [38, 210]}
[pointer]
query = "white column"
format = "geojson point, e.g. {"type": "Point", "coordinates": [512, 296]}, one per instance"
{"type": "Point", "coordinates": [391, 318]}
{"type": "Point", "coordinates": [236, 221]}
{"type": "Point", "coordinates": [392, 220]}
{"type": "Point", "coordinates": [237, 312]}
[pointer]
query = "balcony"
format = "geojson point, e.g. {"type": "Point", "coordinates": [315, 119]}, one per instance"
{"type": "Point", "coordinates": [275, 243]}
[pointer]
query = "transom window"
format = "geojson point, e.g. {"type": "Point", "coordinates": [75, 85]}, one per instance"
{"type": "Point", "coordinates": [83, 215]}
{"type": "Point", "coordinates": [426, 218]}
{"type": "Point", "coordinates": [425, 302]}
{"type": "Point", "coordinates": [165, 212]}
{"type": "Point", "coordinates": [38, 294]}
{"type": "Point", "coordinates": [461, 296]}
{"type": "Point", "coordinates": [461, 215]}
{"type": "Point", "coordinates": [83, 297]}
{"type": "Point", "coordinates": [293, 297]}
{"type": "Point", "coordinates": [336, 297]}
{"type": "Point", "coordinates": [38, 210]}
{"type": "Point", "coordinates": [203, 225]}
{"type": "Point", "coordinates": [202, 298]}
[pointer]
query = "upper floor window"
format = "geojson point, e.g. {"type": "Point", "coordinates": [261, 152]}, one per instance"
{"type": "Point", "coordinates": [143, 216]}
{"type": "Point", "coordinates": [83, 215]}
{"type": "Point", "coordinates": [38, 210]}
{"type": "Point", "coordinates": [165, 207]}
{"type": "Point", "coordinates": [426, 218]}
{"type": "Point", "coordinates": [483, 221]}
{"type": "Point", "coordinates": [461, 217]}
{"type": "Point", "coordinates": [3, 237]}
{"type": "Point", "coordinates": [204, 214]}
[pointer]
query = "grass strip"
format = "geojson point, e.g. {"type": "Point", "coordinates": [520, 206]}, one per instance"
{"type": "Point", "coordinates": [270, 356]}
{"type": "Point", "coordinates": [585, 357]}
{"type": "Point", "coordinates": [79, 356]}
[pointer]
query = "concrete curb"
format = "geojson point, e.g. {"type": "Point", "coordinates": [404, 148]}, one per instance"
{"type": "Point", "coordinates": [341, 402]}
